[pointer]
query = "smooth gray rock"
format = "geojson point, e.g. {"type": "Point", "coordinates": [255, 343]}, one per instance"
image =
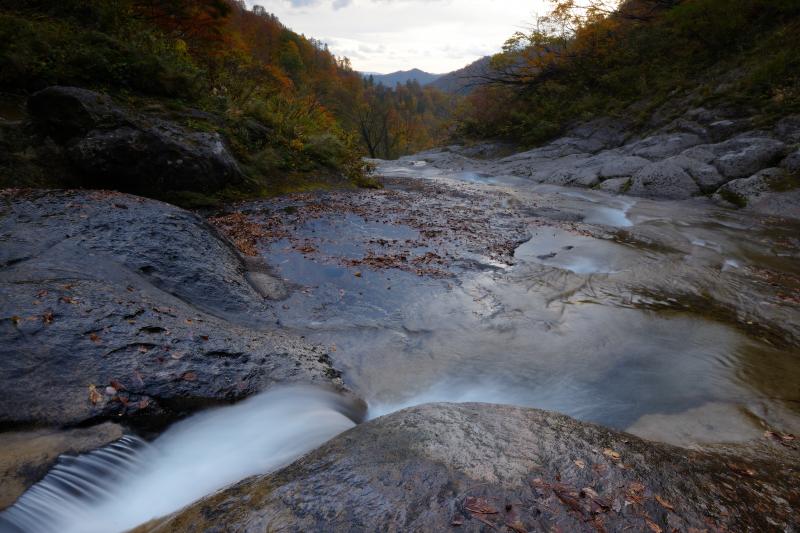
{"type": "Point", "coordinates": [792, 163]}
{"type": "Point", "coordinates": [117, 307]}
{"type": "Point", "coordinates": [664, 179]}
{"type": "Point", "coordinates": [663, 145]}
{"type": "Point", "coordinates": [771, 191]}
{"type": "Point", "coordinates": [706, 176]}
{"type": "Point", "coordinates": [616, 166]}
{"type": "Point", "coordinates": [480, 467]}
{"type": "Point", "coordinates": [788, 129]}
{"type": "Point", "coordinates": [744, 156]}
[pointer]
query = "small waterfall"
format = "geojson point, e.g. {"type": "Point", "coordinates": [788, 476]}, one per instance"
{"type": "Point", "coordinates": [73, 484]}
{"type": "Point", "coordinates": [129, 482]}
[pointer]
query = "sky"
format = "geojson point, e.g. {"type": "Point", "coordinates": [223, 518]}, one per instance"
{"type": "Point", "coordinates": [384, 36]}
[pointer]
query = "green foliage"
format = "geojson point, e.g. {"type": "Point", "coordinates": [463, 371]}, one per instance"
{"type": "Point", "coordinates": [733, 198]}
{"type": "Point", "coordinates": [744, 52]}
{"type": "Point", "coordinates": [288, 108]}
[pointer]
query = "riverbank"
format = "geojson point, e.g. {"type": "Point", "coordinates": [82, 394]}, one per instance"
{"type": "Point", "coordinates": [671, 320]}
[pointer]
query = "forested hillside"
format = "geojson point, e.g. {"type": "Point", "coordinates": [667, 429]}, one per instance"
{"type": "Point", "coordinates": [601, 58]}
{"type": "Point", "coordinates": [291, 112]}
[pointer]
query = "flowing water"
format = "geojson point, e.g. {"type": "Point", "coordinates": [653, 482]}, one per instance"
{"type": "Point", "coordinates": [675, 321]}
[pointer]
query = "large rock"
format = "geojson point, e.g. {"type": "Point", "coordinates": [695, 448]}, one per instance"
{"type": "Point", "coordinates": [772, 191]}
{"type": "Point", "coordinates": [662, 145]}
{"type": "Point", "coordinates": [473, 467]}
{"type": "Point", "coordinates": [744, 156]}
{"type": "Point", "coordinates": [116, 306]}
{"type": "Point", "coordinates": [792, 163]}
{"type": "Point", "coordinates": [119, 149]}
{"type": "Point", "coordinates": [665, 179]}
{"type": "Point", "coordinates": [69, 112]}
{"type": "Point", "coordinates": [706, 176]}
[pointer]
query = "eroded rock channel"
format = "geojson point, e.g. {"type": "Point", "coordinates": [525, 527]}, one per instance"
{"type": "Point", "coordinates": [670, 321]}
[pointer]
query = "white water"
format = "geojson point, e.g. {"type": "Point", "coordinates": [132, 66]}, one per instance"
{"type": "Point", "coordinates": [118, 488]}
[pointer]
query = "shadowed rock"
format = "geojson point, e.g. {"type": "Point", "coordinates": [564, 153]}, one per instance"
{"type": "Point", "coordinates": [119, 149]}
{"type": "Point", "coordinates": [116, 306]}
{"type": "Point", "coordinates": [480, 467]}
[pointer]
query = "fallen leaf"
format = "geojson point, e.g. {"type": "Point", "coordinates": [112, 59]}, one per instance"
{"type": "Point", "coordinates": [611, 454]}
{"type": "Point", "coordinates": [94, 395]}
{"type": "Point", "coordinates": [117, 385]}
{"type": "Point", "coordinates": [47, 318]}
{"type": "Point", "coordinates": [204, 337]}
{"type": "Point", "coordinates": [742, 470]}
{"type": "Point", "coordinates": [94, 337]}
{"type": "Point", "coordinates": [357, 274]}
{"type": "Point", "coordinates": [655, 528]}
{"type": "Point", "coordinates": [598, 504]}
{"type": "Point", "coordinates": [664, 503]}
{"type": "Point", "coordinates": [516, 527]}
{"type": "Point", "coordinates": [569, 498]}
{"type": "Point", "coordinates": [478, 506]}
{"type": "Point", "coordinates": [580, 464]}
{"type": "Point", "coordinates": [189, 376]}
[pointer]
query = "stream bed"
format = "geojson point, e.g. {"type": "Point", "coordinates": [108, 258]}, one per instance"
{"type": "Point", "coordinates": [677, 322]}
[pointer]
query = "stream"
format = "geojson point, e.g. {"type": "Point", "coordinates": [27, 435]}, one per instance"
{"type": "Point", "coordinates": [675, 321]}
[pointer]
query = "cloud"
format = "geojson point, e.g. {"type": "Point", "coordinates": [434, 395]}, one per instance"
{"type": "Point", "coordinates": [389, 35]}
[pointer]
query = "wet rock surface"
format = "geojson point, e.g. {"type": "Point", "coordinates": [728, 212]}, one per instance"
{"type": "Point", "coordinates": [480, 467]}
{"type": "Point", "coordinates": [113, 306]}
{"type": "Point", "coordinates": [112, 147]}
{"type": "Point", "coordinates": [688, 157]}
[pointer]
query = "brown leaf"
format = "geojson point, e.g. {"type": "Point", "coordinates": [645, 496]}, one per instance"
{"type": "Point", "coordinates": [569, 498]}
{"type": "Point", "coordinates": [516, 526]}
{"type": "Point", "coordinates": [664, 503]}
{"type": "Point", "coordinates": [611, 454]}
{"type": "Point", "coordinates": [204, 337]}
{"type": "Point", "coordinates": [478, 506]}
{"type": "Point", "coordinates": [94, 338]}
{"type": "Point", "coordinates": [189, 376]}
{"type": "Point", "coordinates": [94, 396]}
{"type": "Point", "coordinates": [741, 469]}
{"type": "Point", "coordinates": [47, 318]}
{"type": "Point", "coordinates": [117, 385]}
{"type": "Point", "coordinates": [579, 463]}
{"type": "Point", "coordinates": [655, 528]}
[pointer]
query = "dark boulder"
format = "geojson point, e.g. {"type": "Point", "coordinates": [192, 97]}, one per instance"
{"type": "Point", "coordinates": [65, 113]}
{"type": "Point", "coordinates": [479, 467]}
{"type": "Point", "coordinates": [112, 147]}
{"type": "Point", "coordinates": [113, 306]}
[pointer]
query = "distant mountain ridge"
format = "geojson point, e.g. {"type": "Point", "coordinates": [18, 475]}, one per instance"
{"type": "Point", "coordinates": [403, 76]}
{"type": "Point", "coordinates": [463, 80]}
{"type": "Point", "coordinates": [459, 81]}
